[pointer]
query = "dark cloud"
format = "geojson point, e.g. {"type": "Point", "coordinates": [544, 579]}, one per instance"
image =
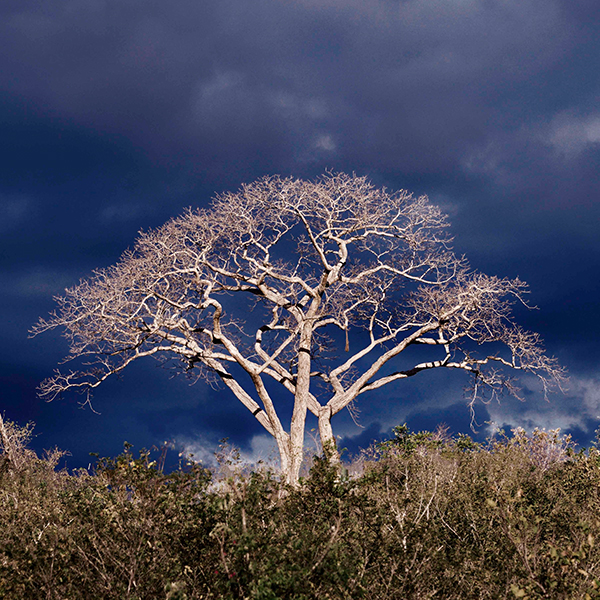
{"type": "Point", "coordinates": [115, 115]}
{"type": "Point", "coordinates": [415, 80]}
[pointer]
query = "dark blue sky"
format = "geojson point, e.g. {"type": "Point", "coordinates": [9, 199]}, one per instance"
{"type": "Point", "coordinates": [117, 114]}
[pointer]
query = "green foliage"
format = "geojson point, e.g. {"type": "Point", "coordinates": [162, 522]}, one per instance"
{"type": "Point", "coordinates": [431, 517]}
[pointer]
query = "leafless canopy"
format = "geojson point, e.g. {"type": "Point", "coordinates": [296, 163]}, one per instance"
{"type": "Point", "coordinates": [317, 286]}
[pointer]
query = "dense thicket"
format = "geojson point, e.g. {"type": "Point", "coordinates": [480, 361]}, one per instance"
{"type": "Point", "coordinates": [427, 517]}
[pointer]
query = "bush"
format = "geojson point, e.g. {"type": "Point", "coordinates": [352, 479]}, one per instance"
{"type": "Point", "coordinates": [430, 516]}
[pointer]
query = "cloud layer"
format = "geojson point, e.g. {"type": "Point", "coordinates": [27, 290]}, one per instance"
{"type": "Point", "coordinates": [115, 115]}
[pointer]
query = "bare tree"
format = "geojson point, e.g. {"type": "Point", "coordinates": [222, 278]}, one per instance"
{"type": "Point", "coordinates": [265, 286]}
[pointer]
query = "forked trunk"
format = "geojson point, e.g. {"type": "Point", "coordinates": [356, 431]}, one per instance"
{"type": "Point", "coordinates": [292, 453]}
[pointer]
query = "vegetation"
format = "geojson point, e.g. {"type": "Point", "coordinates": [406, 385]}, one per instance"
{"type": "Point", "coordinates": [423, 515]}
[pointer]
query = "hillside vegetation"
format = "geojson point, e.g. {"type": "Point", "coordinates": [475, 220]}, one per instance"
{"type": "Point", "coordinates": [422, 516]}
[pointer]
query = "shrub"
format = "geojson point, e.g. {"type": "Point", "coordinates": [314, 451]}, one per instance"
{"type": "Point", "coordinates": [430, 516]}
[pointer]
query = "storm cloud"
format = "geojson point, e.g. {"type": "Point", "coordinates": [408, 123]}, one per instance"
{"type": "Point", "coordinates": [116, 115]}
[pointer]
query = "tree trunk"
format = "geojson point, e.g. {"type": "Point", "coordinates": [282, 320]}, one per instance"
{"type": "Point", "coordinates": [298, 425]}
{"type": "Point", "coordinates": [296, 454]}
{"type": "Point", "coordinates": [327, 438]}
{"type": "Point", "coordinates": [284, 456]}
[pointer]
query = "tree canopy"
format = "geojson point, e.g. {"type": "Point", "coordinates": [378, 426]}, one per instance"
{"type": "Point", "coordinates": [312, 287]}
